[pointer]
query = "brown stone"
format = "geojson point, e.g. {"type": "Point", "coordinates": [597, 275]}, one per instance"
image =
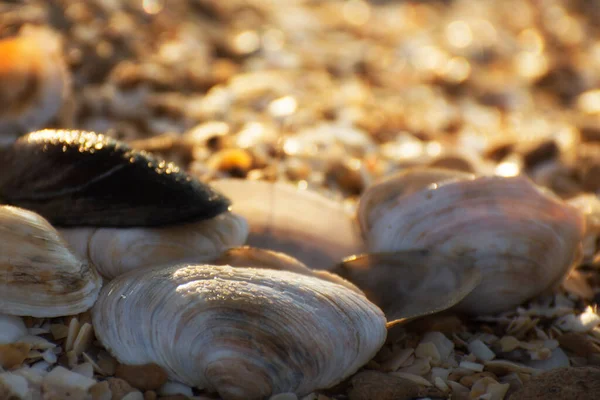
{"type": "Point", "coordinates": [119, 388]}
{"type": "Point", "coordinates": [143, 377]}
{"type": "Point", "coordinates": [150, 395]}
{"type": "Point", "coordinates": [577, 343]}
{"type": "Point", "coordinates": [560, 384]}
{"type": "Point", "coordinates": [369, 385]}
{"type": "Point", "coordinates": [101, 391]}
{"type": "Point", "coordinates": [12, 355]}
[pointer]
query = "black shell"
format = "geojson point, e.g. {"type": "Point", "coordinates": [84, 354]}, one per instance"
{"type": "Point", "coordinates": [76, 178]}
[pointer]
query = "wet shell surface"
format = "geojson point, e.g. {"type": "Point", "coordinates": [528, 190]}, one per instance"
{"type": "Point", "coordinates": [523, 239]}
{"type": "Point", "coordinates": [246, 333]}
{"type": "Point", "coordinates": [39, 275]}
{"type": "Point", "coordinates": [315, 230]}
{"type": "Point", "coordinates": [34, 80]}
{"type": "Point", "coordinates": [76, 178]}
{"type": "Point", "coordinates": [115, 251]}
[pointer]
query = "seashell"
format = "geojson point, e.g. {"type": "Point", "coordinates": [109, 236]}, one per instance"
{"type": "Point", "coordinates": [115, 251]}
{"type": "Point", "coordinates": [246, 333]}
{"type": "Point", "coordinates": [523, 239]}
{"type": "Point", "coordinates": [34, 80]}
{"type": "Point", "coordinates": [252, 257]}
{"type": "Point", "coordinates": [315, 230]}
{"type": "Point", "coordinates": [39, 275]}
{"type": "Point", "coordinates": [386, 192]}
{"type": "Point", "coordinates": [75, 178]}
{"type": "Point", "coordinates": [411, 283]}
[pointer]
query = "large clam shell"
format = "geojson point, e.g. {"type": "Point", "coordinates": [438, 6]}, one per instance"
{"type": "Point", "coordinates": [523, 239]}
{"type": "Point", "coordinates": [75, 178]}
{"type": "Point", "coordinates": [246, 333]}
{"type": "Point", "coordinates": [315, 230]}
{"type": "Point", "coordinates": [115, 251]}
{"type": "Point", "coordinates": [39, 275]}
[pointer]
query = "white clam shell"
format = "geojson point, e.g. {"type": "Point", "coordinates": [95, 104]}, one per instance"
{"type": "Point", "coordinates": [247, 333]}
{"type": "Point", "coordinates": [523, 239]}
{"type": "Point", "coordinates": [315, 230]}
{"type": "Point", "coordinates": [115, 251]}
{"type": "Point", "coordinates": [39, 275]}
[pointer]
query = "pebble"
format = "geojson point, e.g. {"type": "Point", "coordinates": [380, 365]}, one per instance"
{"type": "Point", "coordinates": [12, 355]}
{"type": "Point", "coordinates": [369, 385]}
{"type": "Point", "coordinates": [561, 384]}
{"type": "Point", "coordinates": [143, 377]}
{"type": "Point", "coordinates": [119, 388]}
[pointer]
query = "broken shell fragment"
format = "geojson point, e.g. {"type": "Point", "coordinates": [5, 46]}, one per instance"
{"type": "Point", "coordinates": [246, 333]}
{"type": "Point", "coordinates": [34, 80]}
{"type": "Point", "coordinates": [115, 251]}
{"type": "Point", "coordinates": [523, 239]}
{"type": "Point", "coordinates": [315, 230]}
{"type": "Point", "coordinates": [75, 178]}
{"type": "Point", "coordinates": [11, 328]}
{"type": "Point", "coordinates": [411, 283]}
{"type": "Point", "coordinates": [39, 275]}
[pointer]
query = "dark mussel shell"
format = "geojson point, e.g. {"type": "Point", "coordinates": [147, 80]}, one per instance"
{"type": "Point", "coordinates": [76, 178]}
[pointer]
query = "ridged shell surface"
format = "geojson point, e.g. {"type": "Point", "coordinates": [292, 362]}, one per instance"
{"type": "Point", "coordinates": [523, 239]}
{"type": "Point", "coordinates": [39, 275]}
{"type": "Point", "coordinates": [247, 333]}
{"type": "Point", "coordinates": [115, 251]}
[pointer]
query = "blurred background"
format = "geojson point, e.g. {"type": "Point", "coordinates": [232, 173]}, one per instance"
{"type": "Point", "coordinates": [333, 94]}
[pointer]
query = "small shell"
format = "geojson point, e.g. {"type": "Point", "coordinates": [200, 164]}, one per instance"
{"type": "Point", "coordinates": [115, 251]}
{"type": "Point", "coordinates": [39, 275]}
{"type": "Point", "coordinates": [523, 239]}
{"type": "Point", "coordinates": [247, 333]}
{"type": "Point", "coordinates": [75, 178]}
{"type": "Point", "coordinates": [315, 230]}
{"type": "Point", "coordinates": [34, 80]}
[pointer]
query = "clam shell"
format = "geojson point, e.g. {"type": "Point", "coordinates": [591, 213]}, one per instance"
{"type": "Point", "coordinates": [115, 251]}
{"type": "Point", "coordinates": [252, 257]}
{"type": "Point", "coordinates": [411, 283]}
{"type": "Point", "coordinates": [315, 230]}
{"type": "Point", "coordinates": [383, 195]}
{"type": "Point", "coordinates": [523, 239]}
{"type": "Point", "coordinates": [247, 333]}
{"type": "Point", "coordinates": [75, 178]}
{"type": "Point", "coordinates": [39, 275]}
{"type": "Point", "coordinates": [34, 80]}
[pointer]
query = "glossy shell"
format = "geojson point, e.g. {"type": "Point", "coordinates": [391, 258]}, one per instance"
{"type": "Point", "coordinates": [75, 178]}
{"type": "Point", "coordinates": [247, 333]}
